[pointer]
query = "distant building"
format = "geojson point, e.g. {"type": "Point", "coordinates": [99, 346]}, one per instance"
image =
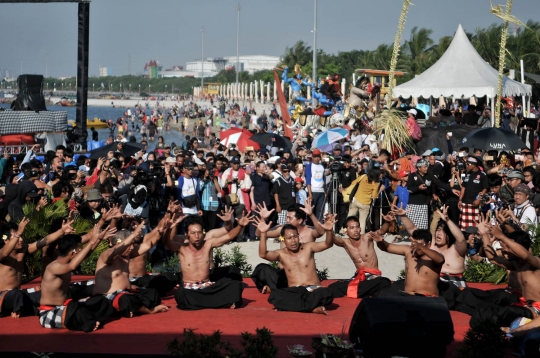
{"type": "Point", "coordinates": [211, 66]}
{"type": "Point", "coordinates": [152, 69]}
{"type": "Point", "coordinates": [103, 71]}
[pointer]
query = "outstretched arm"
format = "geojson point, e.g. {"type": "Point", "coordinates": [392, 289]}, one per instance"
{"type": "Point", "coordinates": [109, 255]}
{"type": "Point", "coordinates": [220, 241]}
{"type": "Point", "coordinates": [407, 223]}
{"type": "Point", "coordinates": [9, 246]}
{"type": "Point", "coordinates": [328, 228]}
{"type": "Point", "coordinates": [152, 237]}
{"type": "Point", "coordinates": [225, 216]}
{"type": "Point", "coordinates": [168, 238]}
{"type": "Point", "coordinates": [485, 229]}
{"type": "Point", "coordinates": [391, 248]}
{"type": "Point", "coordinates": [263, 227]}
{"type": "Point", "coordinates": [49, 239]}
{"type": "Point", "coordinates": [435, 256]}
{"type": "Point", "coordinates": [516, 248]}
{"type": "Point", "coordinates": [460, 244]}
{"type": "Point", "coordinates": [308, 209]}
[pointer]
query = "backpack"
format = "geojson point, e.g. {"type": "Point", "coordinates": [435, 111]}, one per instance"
{"type": "Point", "coordinates": [416, 132]}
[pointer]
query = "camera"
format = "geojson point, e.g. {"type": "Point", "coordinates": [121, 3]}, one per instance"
{"type": "Point", "coordinates": [460, 166]}
{"type": "Point", "coordinates": [337, 165]}
{"type": "Point", "coordinates": [485, 198]}
{"type": "Point", "coordinates": [509, 206]}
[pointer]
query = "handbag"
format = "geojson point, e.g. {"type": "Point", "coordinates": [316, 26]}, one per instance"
{"type": "Point", "coordinates": [191, 200]}
{"type": "Point", "coordinates": [232, 199]}
{"type": "Point", "coordinates": [351, 190]}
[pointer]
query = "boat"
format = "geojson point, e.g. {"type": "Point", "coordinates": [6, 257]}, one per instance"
{"type": "Point", "coordinates": [66, 102]}
{"type": "Point", "coordinates": [97, 123]}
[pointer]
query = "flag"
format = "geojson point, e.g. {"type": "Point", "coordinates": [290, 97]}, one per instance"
{"type": "Point", "coordinates": [283, 106]}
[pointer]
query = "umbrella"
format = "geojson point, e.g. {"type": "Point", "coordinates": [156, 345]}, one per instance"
{"type": "Point", "coordinates": [128, 149]}
{"type": "Point", "coordinates": [240, 137]}
{"type": "Point", "coordinates": [324, 140]}
{"type": "Point", "coordinates": [272, 140]}
{"type": "Point", "coordinates": [493, 139]}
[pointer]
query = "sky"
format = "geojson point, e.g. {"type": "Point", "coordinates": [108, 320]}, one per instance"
{"type": "Point", "coordinates": [169, 31]}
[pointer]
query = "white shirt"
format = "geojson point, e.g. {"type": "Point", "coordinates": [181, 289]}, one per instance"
{"type": "Point", "coordinates": [527, 213]}
{"type": "Point", "coordinates": [317, 181]}
{"type": "Point", "coordinates": [188, 188]}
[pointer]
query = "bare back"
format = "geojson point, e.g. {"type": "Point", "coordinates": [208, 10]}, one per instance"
{"type": "Point", "coordinates": [112, 277]}
{"type": "Point", "coordinates": [54, 288]}
{"type": "Point", "coordinates": [11, 270]}
{"type": "Point", "coordinates": [529, 280]}
{"type": "Point", "coordinates": [300, 266]}
{"type": "Point", "coordinates": [454, 263]}
{"type": "Point", "coordinates": [421, 275]}
{"type": "Point", "coordinates": [362, 252]}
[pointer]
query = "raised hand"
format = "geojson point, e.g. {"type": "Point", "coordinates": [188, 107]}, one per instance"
{"type": "Point", "coordinates": [66, 226]}
{"type": "Point", "coordinates": [444, 213]}
{"type": "Point", "coordinates": [163, 224]}
{"type": "Point", "coordinates": [173, 206]}
{"type": "Point", "coordinates": [177, 219]}
{"type": "Point", "coordinates": [308, 208]}
{"type": "Point", "coordinates": [95, 233]}
{"type": "Point", "coordinates": [399, 211]}
{"type": "Point", "coordinates": [417, 248]}
{"type": "Point", "coordinates": [226, 214]}
{"type": "Point", "coordinates": [375, 236]}
{"type": "Point", "coordinates": [137, 232]}
{"type": "Point", "coordinates": [22, 225]}
{"type": "Point", "coordinates": [496, 231]}
{"type": "Point", "coordinates": [390, 217]}
{"type": "Point", "coordinates": [261, 224]}
{"type": "Point", "coordinates": [329, 222]}
{"type": "Point", "coordinates": [263, 211]}
{"type": "Point", "coordinates": [107, 233]}
{"type": "Point", "coordinates": [244, 220]}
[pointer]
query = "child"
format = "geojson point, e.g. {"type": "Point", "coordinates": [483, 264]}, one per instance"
{"type": "Point", "coordinates": [301, 194]}
{"type": "Point", "coordinates": [401, 196]}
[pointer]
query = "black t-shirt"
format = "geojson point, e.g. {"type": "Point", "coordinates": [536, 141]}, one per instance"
{"type": "Point", "coordinates": [474, 182]}
{"type": "Point", "coordinates": [284, 190]}
{"type": "Point", "coordinates": [347, 176]}
{"type": "Point", "coordinates": [261, 189]}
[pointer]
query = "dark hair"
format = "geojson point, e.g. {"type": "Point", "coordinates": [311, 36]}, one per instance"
{"type": "Point", "coordinates": [68, 243]}
{"type": "Point", "coordinates": [446, 229]}
{"type": "Point", "coordinates": [287, 227]}
{"type": "Point", "coordinates": [373, 175]}
{"type": "Point", "coordinates": [466, 149]}
{"type": "Point", "coordinates": [349, 219]}
{"type": "Point", "coordinates": [521, 237]}
{"type": "Point", "coordinates": [6, 230]}
{"type": "Point", "coordinates": [384, 152]}
{"type": "Point", "coordinates": [106, 189]}
{"type": "Point", "coordinates": [68, 152]}
{"type": "Point", "coordinates": [422, 234]}
{"type": "Point", "coordinates": [298, 213]}
{"type": "Point", "coordinates": [193, 220]}
{"type": "Point", "coordinates": [36, 164]}
{"type": "Point", "coordinates": [529, 169]}
{"type": "Point", "coordinates": [60, 186]}
{"type": "Point", "coordinates": [60, 147]}
{"type": "Point", "coordinates": [494, 180]}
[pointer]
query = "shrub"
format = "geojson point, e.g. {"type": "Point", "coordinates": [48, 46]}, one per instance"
{"type": "Point", "coordinates": [233, 258]}
{"type": "Point", "coordinates": [487, 340]}
{"type": "Point", "coordinates": [484, 272]}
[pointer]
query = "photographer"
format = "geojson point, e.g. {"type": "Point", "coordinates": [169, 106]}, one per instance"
{"type": "Point", "coordinates": [210, 193]}
{"type": "Point", "coordinates": [491, 202]}
{"type": "Point", "coordinates": [188, 191]}
{"type": "Point", "coordinates": [283, 192]}
{"type": "Point", "coordinates": [513, 179]}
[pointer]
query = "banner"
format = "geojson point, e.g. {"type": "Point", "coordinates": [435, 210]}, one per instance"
{"type": "Point", "coordinates": [283, 106]}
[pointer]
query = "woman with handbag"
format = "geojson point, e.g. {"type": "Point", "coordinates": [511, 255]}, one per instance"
{"type": "Point", "coordinates": [188, 191]}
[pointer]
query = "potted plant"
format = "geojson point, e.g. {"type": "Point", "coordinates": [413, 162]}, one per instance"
{"type": "Point", "coordinates": [331, 346]}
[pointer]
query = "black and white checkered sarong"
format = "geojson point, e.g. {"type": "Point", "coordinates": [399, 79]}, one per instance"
{"type": "Point", "coordinates": [282, 217]}
{"type": "Point", "coordinates": [32, 122]}
{"type": "Point", "coordinates": [419, 215]}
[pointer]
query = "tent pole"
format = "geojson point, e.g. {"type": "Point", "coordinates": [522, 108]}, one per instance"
{"type": "Point", "coordinates": [430, 106]}
{"type": "Point", "coordinates": [493, 111]}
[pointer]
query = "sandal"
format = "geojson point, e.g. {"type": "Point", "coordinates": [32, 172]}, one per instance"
{"type": "Point", "coordinates": [397, 239]}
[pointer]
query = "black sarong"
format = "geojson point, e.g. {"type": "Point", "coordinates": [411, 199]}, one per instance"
{"type": "Point", "coordinates": [127, 303]}
{"type": "Point", "coordinates": [81, 289]}
{"type": "Point", "coordinates": [299, 299]}
{"type": "Point", "coordinates": [447, 290]}
{"type": "Point", "coordinates": [501, 316]}
{"type": "Point", "coordinates": [266, 275]}
{"type": "Point", "coordinates": [17, 300]}
{"type": "Point", "coordinates": [471, 298]}
{"type": "Point", "coordinates": [163, 283]}
{"type": "Point", "coordinates": [222, 294]}
{"type": "Point", "coordinates": [232, 272]}
{"type": "Point", "coordinates": [366, 288]}
{"type": "Point", "coordinates": [83, 315]}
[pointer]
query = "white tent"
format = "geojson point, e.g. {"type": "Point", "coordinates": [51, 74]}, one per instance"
{"type": "Point", "coordinates": [460, 72]}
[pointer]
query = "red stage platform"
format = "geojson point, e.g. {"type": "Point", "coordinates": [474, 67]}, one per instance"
{"type": "Point", "coordinates": [150, 334]}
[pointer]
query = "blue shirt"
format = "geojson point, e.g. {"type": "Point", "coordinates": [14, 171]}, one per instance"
{"type": "Point", "coordinates": [403, 196]}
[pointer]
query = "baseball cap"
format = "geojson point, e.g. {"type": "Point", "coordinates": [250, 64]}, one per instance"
{"type": "Point", "coordinates": [403, 173]}
{"type": "Point", "coordinates": [166, 145]}
{"type": "Point", "coordinates": [421, 163]}
{"type": "Point", "coordinates": [338, 147]}
{"type": "Point", "coordinates": [316, 152]}
{"type": "Point", "coordinates": [170, 160]}
{"type": "Point", "coordinates": [523, 188]}
{"type": "Point", "coordinates": [412, 111]}
{"type": "Point", "coordinates": [298, 180]}
{"type": "Point", "coordinates": [235, 160]}
{"type": "Point", "coordinates": [198, 161]}
{"type": "Point", "coordinates": [427, 153]}
{"type": "Point", "coordinates": [471, 230]}
{"type": "Point", "coordinates": [516, 174]}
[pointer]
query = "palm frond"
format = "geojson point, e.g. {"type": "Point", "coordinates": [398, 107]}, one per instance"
{"type": "Point", "coordinates": [390, 123]}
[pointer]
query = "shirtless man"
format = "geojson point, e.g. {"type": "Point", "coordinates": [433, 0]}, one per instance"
{"type": "Point", "coordinates": [449, 241]}
{"type": "Point", "coordinates": [422, 264]}
{"type": "Point", "coordinates": [56, 309]}
{"type": "Point", "coordinates": [13, 300]}
{"type": "Point", "coordinates": [196, 290]}
{"type": "Point", "coordinates": [367, 280]}
{"type": "Point", "coordinates": [304, 292]}
{"type": "Point", "coordinates": [267, 278]}
{"type": "Point", "coordinates": [112, 272]}
{"type": "Point", "coordinates": [516, 258]}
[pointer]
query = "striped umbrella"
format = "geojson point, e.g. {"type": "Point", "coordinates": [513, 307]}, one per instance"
{"type": "Point", "coordinates": [324, 140]}
{"type": "Point", "coordinates": [238, 136]}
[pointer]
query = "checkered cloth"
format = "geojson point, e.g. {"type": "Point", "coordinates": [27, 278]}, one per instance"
{"type": "Point", "coordinates": [32, 122]}
{"type": "Point", "coordinates": [469, 216]}
{"type": "Point", "coordinates": [282, 217]}
{"type": "Point", "coordinates": [456, 279]}
{"type": "Point", "coordinates": [53, 317]}
{"type": "Point", "coordinates": [418, 215]}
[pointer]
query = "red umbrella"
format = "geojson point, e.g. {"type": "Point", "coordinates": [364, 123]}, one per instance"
{"type": "Point", "coordinates": [238, 136]}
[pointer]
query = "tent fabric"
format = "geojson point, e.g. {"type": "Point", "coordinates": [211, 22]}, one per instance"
{"type": "Point", "coordinates": [461, 71]}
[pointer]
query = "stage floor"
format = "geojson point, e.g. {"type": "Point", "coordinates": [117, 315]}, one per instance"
{"type": "Point", "coordinates": [150, 334]}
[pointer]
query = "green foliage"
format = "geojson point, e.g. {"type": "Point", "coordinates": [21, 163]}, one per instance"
{"type": "Point", "coordinates": [487, 340]}
{"type": "Point", "coordinates": [259, 346]}
{"type": "Point", "coordinates": [88, 266]}
{"type": "Point", "coordinates": [171, 265]}
{"type": "Point", "coordinates": [274, 264]}
{"type": "Point", "coordinates": [233, 258]}
{"type": "Point", "coordinates": [401, 275]}
{"type": "Point", "coordinates": [149, 268]}
{"type": "Point", "coordinates": [484, 272]}
{"type": "Point", "coordinates": [323, 273]}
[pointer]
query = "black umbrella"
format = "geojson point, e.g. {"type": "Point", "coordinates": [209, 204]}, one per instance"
{"type": "Point", "coordinates": [271, 139]}
{"type": "Point", "coordinates": [128, 149]}
{"type": "Point", "coordinates": [493, 139]}
{"type": "Point", "coordinates": [419, 113]}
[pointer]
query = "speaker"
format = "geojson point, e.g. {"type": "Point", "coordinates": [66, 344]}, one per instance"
{"type": "Point", "coordinates": [30, 96]}
{"type": "Point", "coordinates": [410, 326]}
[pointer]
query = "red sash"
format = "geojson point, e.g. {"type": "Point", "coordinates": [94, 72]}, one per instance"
{"type": "Point", "coordinates": [442, 274]}
{"type": "Point", "coordinates": [116, 300]}
{"type": "Point", "coordinates": [534, 305]}
{"type": "Point", "coordinates": [352, 288]}
{"type": "Point", "coordinates": [48, 308]}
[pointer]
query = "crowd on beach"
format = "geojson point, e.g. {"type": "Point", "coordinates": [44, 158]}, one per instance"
{"type": "Point", "coordinates": [446, 206]}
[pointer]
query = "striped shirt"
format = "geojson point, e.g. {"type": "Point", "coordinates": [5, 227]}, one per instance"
{"type": "Point", "coordinates": [210, 200]}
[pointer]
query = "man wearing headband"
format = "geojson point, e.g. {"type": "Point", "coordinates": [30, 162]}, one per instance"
{"type": "Point", "coordinates": [420, 186]}
{"type": "Point", "coordinates": [475, 184]}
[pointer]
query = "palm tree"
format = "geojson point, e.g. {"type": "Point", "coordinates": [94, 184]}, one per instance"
{"type": "Point", "coordinates": [487, 43]}
{"type": "Point", "coordinates": [419, 49]}
{"type": "Point", "coordinates": [300, 54]}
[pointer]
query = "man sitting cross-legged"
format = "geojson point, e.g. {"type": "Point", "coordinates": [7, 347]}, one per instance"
{"type": "Point", "coordinates": [267, 278]}
{"type": "Point", "coordinates": [367, 280]}
{"type": "Point", "coordinates": [304, 292]}
{"type": "Point", "coordinates": [56, 309]}
{"type": "Point", "coordinates": [422, 264]}
{"type": "Point", "coordinates": [112, 272]}
{"type": "Point", "coordinates": [13, 251]}
{"type": "Point", "coordinates": [196, 290]}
